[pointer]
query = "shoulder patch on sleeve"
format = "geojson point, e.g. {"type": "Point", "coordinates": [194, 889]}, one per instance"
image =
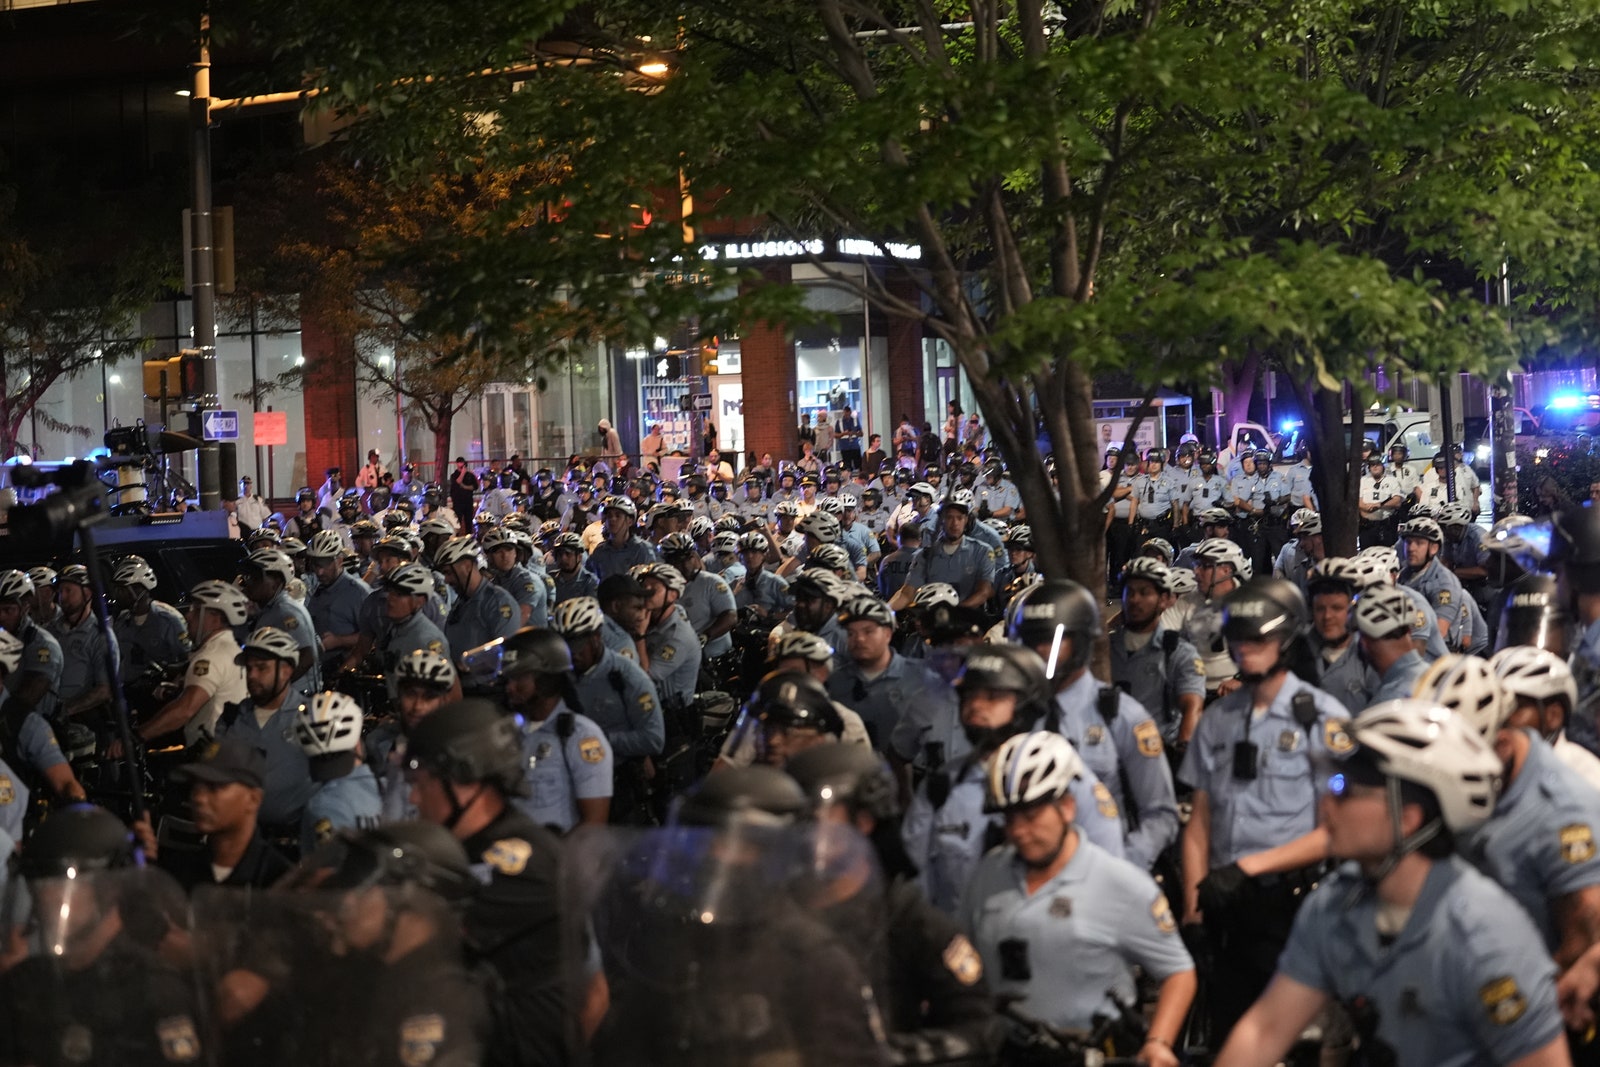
{"type": "Point", "coordinates": [420, 1038]}
{"type": "Point", "coordinates": [1503, 1000]}
{"type": "Point", "coordinates": [1444, 598]}
{"type": "Point", "coordinates": [509, 856]}
{"type": "Point", "coordinates": [436, 646]}
{"type": "Point", "coordinates": [179, 1042]}
{"type": "Point", "coordinates": [1336, 735]}
{"type": "Point", "coordinates": [43, 654]}
{"type": "Point", "coordinates": [1577, 843]}
{"type": "Point", "coordinates": [963, 961]}
{"type": "Point", "coordinates": [8, 791]}
{"type": "Point", "coordinates": [201, 668]}
{"type": "Point", "coordinates": [505, 611]}
{"type": "Point", "coordinates": [667, 653]}
{"type": "Point", "coordinates": [1200, 666]}
{"type": "Point", "coordinates": [322, 829]}
{"type": "Point", "coordinates": [1105, 802]}
{"type": "Point", "coordinates": [1149, 738]}
{"type": "Point", "coordinates": [591, 750]}
{"type": "Point", "coordinates": [1161, 912]}
{"type": "Point", "coordinates": [647, 703]}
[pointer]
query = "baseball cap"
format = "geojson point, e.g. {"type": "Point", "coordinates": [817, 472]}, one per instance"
{"type": "Point", "coordinates": [227, 762]}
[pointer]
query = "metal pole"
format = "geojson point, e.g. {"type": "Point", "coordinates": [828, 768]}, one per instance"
{"type": "Point", "coordinates": [202, 255]}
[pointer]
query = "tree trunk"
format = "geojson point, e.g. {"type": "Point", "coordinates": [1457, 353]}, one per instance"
{"type": "Point", "coordinates": [1335, 464]}
{"type": "Point", "coordinates": [440, 416]}
{"type": "Point", "coordinates": [1237, 383]}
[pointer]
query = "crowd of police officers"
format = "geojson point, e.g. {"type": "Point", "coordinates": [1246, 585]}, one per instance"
{"type": "Point", "coordinates": [813, 770]}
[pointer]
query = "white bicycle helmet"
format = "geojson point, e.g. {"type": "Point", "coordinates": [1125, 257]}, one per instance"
{"type": "Point", "coordinates": [754, 542]}
{"type": "Point", "coordinates": [786, 509]}
{"type": "Point", "coordinates": [427, 668]}
{"type": "Point", "coordinates": [1424, 528]}
{"type": "Point", "coordinates": [1333, 570]}
{"type": "Point", "coordinates": [960, 498]}
{"type": "Point", "coordinates": [271, 561]}
{"type": "Point", "coordinates": [1160, 545]}
{"type": "Point", "coordinates": [1300, 516]}
{"type": "Point", "coordinates": [292, 547]}
{"type": "Point", "coordinates": [1383, 555]}
{"type": "Point", "coordinates": [924, 488]}
{"type": "Point", "coordinates": [700, 526]}
{"type": "Point", "coordinates": [1215, 517]}
{"type": "Point", "coordinates": [935, 594]}
{"type": "Point", "coordinates": [14, 585]}
{"type": "Point", "coordinates": [622, 504]}
{"type": "Point", "coordinates": [661, 572]}
{"type": "Point", "coordinates": [438, 526]}
{"type": "Point", "coordinates": [831, 557]}
{"type": "Point", "coordinates": [820, 525]}
{"type": "Point", "coordinates": [802, 645]}
{"type": "Point", "coordinates": [677, 544]}
{"type": "Point", "coordinates": [1019, 536]}
{"type": "Point", "coordinates": [1219, 550]}
{"type": "Point", "coordinates": [1030, 769]}
{"type": "Point", "coordinates": [454, 551]}
{"type": "Point", "coordinates": [1535, 674]}
{"type": "Point", "coordinates": [1384, 611]}
{"type": "Point", "coordinates": [325, 544]}
{"type": "Point", "coordinates": [1455, 513]}
{"type": "Point", "coordinates": [1151, 570]}
{"type": "Point", "coordinates": [135, 572]}
{"type": "Point", "coordinates": [223, 597]}
{"type": "Point", "coordinates": [328, 724]}
{"type": "Point", "coordinates": [866, 608]}
{"type": "Point", "coordinates": [41, 576]}
{"type": "Point", "coordinates": [1467, 686]}
{"type": "Point", "coordinates": [577, 617]}
{"type": "Point", "coordinates": [412, 579]}
{"type": "Point", "coordinates": [497, 537]}
{"type": "Point", "coordinates": [269, 641]}
{"type": "Point", "coordinates": [568, 540]}
{"type": "Point", "coordinates": [1422, 743]}
{"type": "Point", "coordinates": [831, 505]}
{"type": "Point", "coordinates": [10, 651]}
{"type": "Point", "coordinates": [726, 541]}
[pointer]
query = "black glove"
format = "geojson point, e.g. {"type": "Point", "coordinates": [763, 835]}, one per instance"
{"type": "Point", "coordinates": [1220, 888]}
{"type": "Point", "coordinates": [983, 510]}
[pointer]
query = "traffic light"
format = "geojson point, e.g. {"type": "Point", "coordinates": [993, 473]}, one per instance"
{"type": "Point", "coordinates": [708, 357]}
{"type": "Point", "coordinates": [669, 368]}
{"type": "Point", "coordinates": [185, 377]}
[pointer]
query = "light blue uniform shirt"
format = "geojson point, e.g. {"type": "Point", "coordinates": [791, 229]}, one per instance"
{"type": "Point", "coordinates": [1156, 676]}
{"type": "Point", "coordinates": [1427, 628]}
{"type": "Point", "coordinates": [1130, 745]}
{"type": "Point", "coordinates": [1153, 494]}
{"type": "Point", "coordinates": [1465, 982]}
{"type": "Point", "coordinates": [415, 634]}
{"type": "Point", "coordinates": [1400, 680]}
{"type": "Point", "coordinates": [1539, 844]}
{"type": "Point", "coordinates": [485, 615]}
{"type": "Point", "coordinates": [560, 773]}
{"type": "Point", "coordinates": [1085, 929]}
{"type": "Point", "coordinates": [970, 563]}
{"type": "Point", "coordinates": [1209, 492]}
{"type": "Point", "coordinates": [1294, 564]}
{"type": "Point", "coordinates": [618, 695]}
{"type": "Point", "coordinates": [1003, 495]}
{"type": "Point", "coordinates": [162, 637]}
{"type": "Point", "coordinates": [901, 708]}
{"type": "Point", "coordinates": [582, 583]}
{"type": "Point", "coordinates": [348, 803]}
{"type": "Point", "coordinates": [41, 654]}
{"type": "Point", "coordinates": [13, 804]}
{"type": "Point", "coordinates": [528, 590]}
{"type": "Point", "coordinates": [1292, 763]}
{"type": "Point", "coordinates": [765, 590]}
{"type": "Point", "coordinates": [859, 542]}
{"type": "Point", "coordinates": [288, 777]}
{"type": "Point", "coordinates": [1350, 679]}
{"type": "Point", "coordinates": [1277, 486]}
{"type": "Point", "coordinates": [83, 658]}
{"type": "Point", "coordinates": [608, 559]}
{"type": "Point", "coordinates": [36, 747]}
{"type": "Point", "coordinates": [336, 607]}
{"type": "Point", "coordinates": [619, 640]}
{"type": "Point", "coordinates": [290, 616]}
{"type": "Point", "coordinates": [946, 843]}
{"type": "Point", "coordinates": [1249, 489]}
{"type": "Point", "coordinates": [705, 597]}
{"type": "Point", "coordinates": [1444, 594]}
{"type": "Point", "coordinates": [675, 653]}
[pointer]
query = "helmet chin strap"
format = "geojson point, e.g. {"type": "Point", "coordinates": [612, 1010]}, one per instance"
{"type": "Point", "coordinates": [1403, 845]}
{"type": "Point", "coordinates": [1257, 677]}
{"type": "Point", "coordinates": [1055, 853]}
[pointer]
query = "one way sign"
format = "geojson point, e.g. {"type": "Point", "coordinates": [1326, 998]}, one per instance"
{"type": "Point", "coordinates": [221, 426]}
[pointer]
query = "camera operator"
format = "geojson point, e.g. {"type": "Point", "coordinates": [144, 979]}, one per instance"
{"type": "Point", "coordinates": [85, 672]}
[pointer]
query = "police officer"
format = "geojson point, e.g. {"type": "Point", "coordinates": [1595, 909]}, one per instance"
{"type": "Point", "coordinates": [1332, 661]}
{"type": "Point", "coordinates": [1061, 923]}
{"type": "Point", "coordinates": [762, 593]}
{"type": "Point", "coordinates": [212, 679]}
{"type": "Point", "coordinates": [1424, 952]}
{"type": "Point", "coordinates": [1220, 567]}
{"type": "Point", "coordinates": [148, 631]}
{"type": "Point", "coordinates": [1296, 559]}
{"type": "Point", "coordinates": [1277, 495]}
{"type": "Point", "coordinates": [1249, 502]}
{"type": "Point", "coordinates": [788, 713]}
{"type": "Point", "coordinates": [98, 992]}
{"type": "Point", "coordinates": [1384, 617]}
{"type": "Point", "coordinates": [670, 642]}
{"type": "Point", "coordinates": [1110, 730]}
{"type": "Point", "coordinates": [903, 703]}
{"type": "Point", "coordinates": [1381, 497]}
{"type": "Point", "coordinates": [1405, 478]}
{"type": "Point", "coordinates": [328, 728]}
{"type": "Point", "coordinates": [226, 785]}
{"type": "Point", "coordinates": [85, 670]}
{"type": "Point", "coordinates": [28, 747]}
{"type": "Point", "coordinates": [427, 681]}
{"type": "Point", "coordinates": [572, 578]}
{"type": "Point", "coordinates": [1423, 572]}
{"type": "Point", "coordinates": [1539, 841]}
{"type": "Point", "coordinates": [948, 825]}
{"type": "Point", "coordinates": [621, 551]}
{"type": "Point", "coordinates": [997, 497]}
{"type": "Point", "coordinates": [1208, 486]}
{"type": "Point", "coordinates": [267, 574]}
{"type": "Point", "coordinates": [706, 598]}
{"type": "Point", "coordinates": [482, 611]}
{"type": "Point", "coordinates": [304, 521]}
{"type": "Point", "coordinates": [34, 683]}
{"type": "Point", "coordinates": [1152, 664]}
{"type": "Point", "coordinates": [265, 721]}
{"type": "Point", "coordinates": [465, 763]}
{"type": "Point", "coordinates": [526, 588]}
{"type": "Point", "coordinates": [932, 992]}
{"type": "Point", "coordinates": [1257, 764]}
{"type": "Point", "coordinates": [896, 566]}
{"type": "Point", "coordinates": [335, 605]}
{"type": "Point", "coordinates": [1155, 494]}
{"type": "Point", "coordinates": [955, 558]}
{"type": "Point", "coordinates": [1542, 685]}
{"type": "Point", "coordinates": [407, 628]}
{"type": "Point", "coordinates": [613, 691]}
{"type": "Point", "coordinates": [858, 539]}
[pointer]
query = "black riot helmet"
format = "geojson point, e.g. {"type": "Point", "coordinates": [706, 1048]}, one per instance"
{"type": "Point", "coordinates": [1264, 609]}
{"type": "Point", "coordinates": [794, 698]}
{"type": "Point", "coordinates": [535, 650]}
{"type": "Point", "coordinates": [852, 775]}
{"type": "Point", "coordinates": [396, 855]}
{"type": "Point", "coordinates": [77, 839]}
{"type": "Point", "coordinates": [1042, 615]}
{"type": "Point", "coordinates": [1009, 668]}
{"type": "Point", "coordinates": [757, 795]}
{"type": "Point", "coordinates": [1534, 615]}
{"type": "Point", "coordinates": [470, 741]}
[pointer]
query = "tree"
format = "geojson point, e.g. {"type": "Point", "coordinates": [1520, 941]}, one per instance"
{"type": "Point", "coordinates": [1134, 184]}
{"type": "Point", "coordinates": [63, 312]}
{"type": "Point", "coordinates": [341, 244]}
